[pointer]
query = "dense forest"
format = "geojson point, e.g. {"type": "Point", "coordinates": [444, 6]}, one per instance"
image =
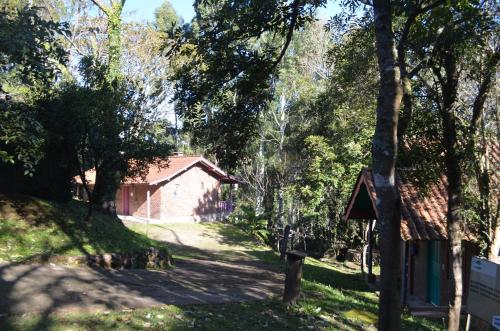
{"type": "Point", "coordinates": [294, 106]}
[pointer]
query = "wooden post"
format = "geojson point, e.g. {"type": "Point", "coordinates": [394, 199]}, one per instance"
{"type": "Point", "coordinates": [467, 323]}
{"type": "Point", "coordinates": [370, 250]}
{"type": "Point", "coordinates": [406, 265]}
{"type": "Point", "coordinates": [366, 238]}
{"type": "Point", "coordinates": [294, 262]}
{"type": "Point", "coordinates": [283, 244]}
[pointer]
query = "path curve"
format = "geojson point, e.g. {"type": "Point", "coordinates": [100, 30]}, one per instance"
{"type": "Point", "coordinates": [48, 289]}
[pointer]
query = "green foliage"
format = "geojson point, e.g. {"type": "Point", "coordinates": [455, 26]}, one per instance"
{"type": "Point", "coordinates": [225, 60]}
{"type": "Point", "coordinates": [166, 18]}
{"type": "Point", "coordinates": [30, 55]}
{"type": "Point", "coordinates": [245, 217]}
{"type": "Point", "coordinates": [322, 174]}
{"type": "Point", "coordinates": [29, 45]}
{"type": "Point", "coordinates": [316, 133]}
{"type": "Point", "coordinates": [114, 13]}
{"type": "Point", "coordinates": [21, 136]}
{"type": "Point", "coordinates": [118, 129]}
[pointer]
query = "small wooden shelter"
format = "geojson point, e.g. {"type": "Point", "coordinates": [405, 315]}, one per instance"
{"type": "Point", "coordinates": [425, 262]}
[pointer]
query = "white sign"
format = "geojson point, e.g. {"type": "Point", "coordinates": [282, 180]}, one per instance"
{"type": "Point", "coordinates": [484, 267]}
{"type": "Point", "coordinates": [495, 321]}
{"type": "Point", "coordinates": [484, 291]}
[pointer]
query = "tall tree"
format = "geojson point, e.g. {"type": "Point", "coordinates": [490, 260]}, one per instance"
{"type": "Point", "coordinates": [166, 18]}
{"type": "Point", "coordinates": [482, 139]}
{"type": "Point", "coordinates": [441, 44]}
{"type": "Point", "coordinates": [444, 44]}
{"type": "Point", "coordinates": [229, 51]}
{"type": "Point", "coordinates": [109, 172]}
{"type": "Point", "coordinates": [113, 12]}
{"type": "Point", "coordinates": [122, 147]}
{"type": "Point", "coordinates": [384, 152]}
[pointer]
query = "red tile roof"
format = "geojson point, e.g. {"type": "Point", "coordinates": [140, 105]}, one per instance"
{"type": "Point", "coordinates": [423, 215]}
{"type": "Point", "coordinates": [423, 212]}
{"type": "Point", "coordinates": [167, 170]}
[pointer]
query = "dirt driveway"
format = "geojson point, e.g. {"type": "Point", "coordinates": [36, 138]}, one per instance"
{"type": "Point", "coordinates": [214, 241]}
{"type": "Point", "coordinates": [215, 270]}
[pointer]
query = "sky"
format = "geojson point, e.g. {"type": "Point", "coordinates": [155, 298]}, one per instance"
{"type": "Point", "coordinates": [143, 10]}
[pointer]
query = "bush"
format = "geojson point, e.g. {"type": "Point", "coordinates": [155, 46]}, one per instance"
{"type": "Point", "coordinates": [245, 217]}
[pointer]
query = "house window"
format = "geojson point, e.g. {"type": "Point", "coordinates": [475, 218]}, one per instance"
{"type": "Point", "coordinates": [176, 187]}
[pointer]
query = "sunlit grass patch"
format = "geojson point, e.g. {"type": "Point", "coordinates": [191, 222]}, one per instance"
{"type": "Point", "coordinates": [31, 227]}
{"type": "Point", "coordinates": [363, 316]}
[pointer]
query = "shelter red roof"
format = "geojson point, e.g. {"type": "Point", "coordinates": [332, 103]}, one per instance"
{"type": "Point", "coordinates": [423, 213]}
{"type": "Point", "coordinates": [167, 170]}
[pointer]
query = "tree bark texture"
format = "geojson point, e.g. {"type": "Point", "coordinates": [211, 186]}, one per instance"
{"type": "Point", "coordinates": [488, 214]}
{"type": "Point", "coordinates": [281, 212]}
{"type": "Point", "coordinates": [384, 152]}
{"type": "Point", "coordinates": [104, 194]}
{"type": "Point", "coordinates": [260, 177]}
{"type": "Point", "coordinates": [490, 202]}
{"type": "Point", "coordinates": [108, 178]}
{"type": "Point", "coordinates": [454, 175]}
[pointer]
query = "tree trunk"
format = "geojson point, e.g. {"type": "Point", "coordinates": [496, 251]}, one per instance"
{"type": "Point", "coordinates": [454, 228]}
{"type": "Point", "coordinates": [407, 113]}
{"type": "Point", "coordinates": [268, 210]}
{"type": "Point", "coordinates": [384, 151]}
{"type": "Point", "coordinates": [269, 198]}
{"type": "Point", "coordinates": [489, 218]}
{"type": "Point", "coordinates": [260, 177]}
{"type": "Point", "coordinates": [107, 178]}
{"type": "Point", "coordinates": [281, 216]}
{"type": "Point", "coordinates": [88, 192]}
{"type": "Point", "coordinates": [489, 222]}
{"type": "Point", "coordinates": [454, 175]}
{"type": "Point", "coordinates": [494, 250]}
{"type": "Point", "coordinates": [104, 195]}
{"type": "Point", "coordinates": [114, 39]}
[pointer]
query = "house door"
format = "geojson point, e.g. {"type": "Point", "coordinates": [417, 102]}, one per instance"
{"type": "Point", "coordinates": [433, 271]}
{"type": "Point", "coordinates": [126, 200]}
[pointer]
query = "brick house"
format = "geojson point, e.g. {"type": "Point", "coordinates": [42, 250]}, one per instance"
{"type": "Point", "coordinates": [188, 189]}
{"type": "Point", "coordinates": [424, 255]}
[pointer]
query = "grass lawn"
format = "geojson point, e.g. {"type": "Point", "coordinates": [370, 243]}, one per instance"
{"type": "Point", "coordinates": [334, 296]}
{"type": "Point", "coordinates": [31, 228]}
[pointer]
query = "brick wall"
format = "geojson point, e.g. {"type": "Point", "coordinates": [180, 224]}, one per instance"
{"type": "Point", "coordinates": [190, 196]}
{"type": "Point", "coordinates": [119, 201]}
{"type": "Point", "coordinates": [193, 195]}
{"type": "Point", "coordinates": [138, 203]}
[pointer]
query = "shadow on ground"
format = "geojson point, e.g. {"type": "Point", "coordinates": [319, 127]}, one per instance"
{"type": "Point", "coordinates": [46, 289]}
{"type": "Point", "coordinates": [206, 278]}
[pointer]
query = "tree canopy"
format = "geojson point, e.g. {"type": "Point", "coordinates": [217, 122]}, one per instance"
{"type": "Point", "coordinates": [295, 106]}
